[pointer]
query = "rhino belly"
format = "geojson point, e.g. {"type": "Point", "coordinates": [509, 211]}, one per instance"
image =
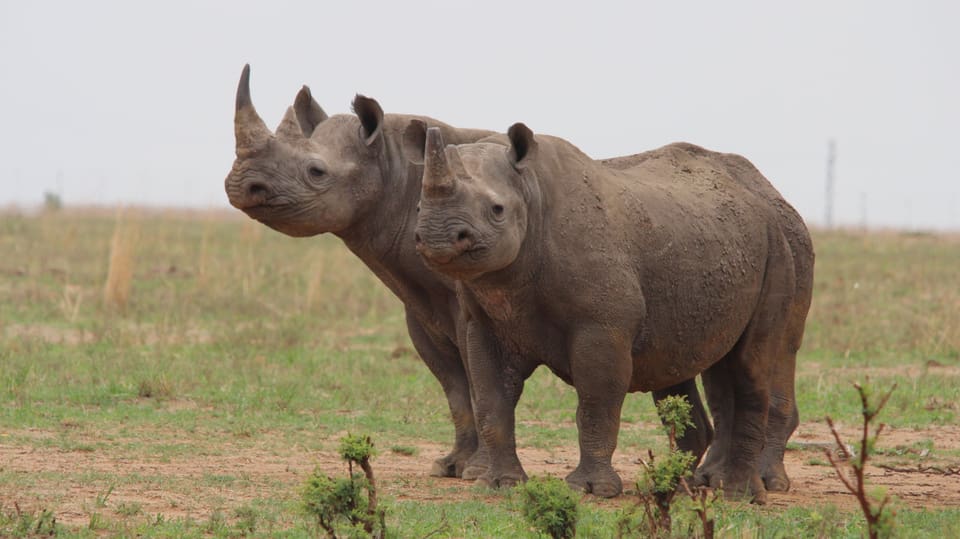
{"type": "Point", "coordinates": [682, 339]}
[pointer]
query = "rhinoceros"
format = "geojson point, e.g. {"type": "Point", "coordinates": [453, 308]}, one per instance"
{"type": "Point", "coordinates": [347, 175]}
{"type": "Point", "coordinates": [618, 281]}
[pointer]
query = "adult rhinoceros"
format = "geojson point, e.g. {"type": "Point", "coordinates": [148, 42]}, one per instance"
{"type": "Point", "coordinates": [618, 281]}
{"type": "Point", "coordinates": [347, 175]}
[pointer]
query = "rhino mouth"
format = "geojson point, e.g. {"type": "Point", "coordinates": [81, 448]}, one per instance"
{"type": "Point", "coordinates": [274, 208]}
{"type": "Point", "coordinates": [475, 253]}
{"type": "Point", "coordinates": [262, 210]}
{"type": "Point", "coordinates": [290, 219]}
{"type": "Point", "coordinates": [462, 263]}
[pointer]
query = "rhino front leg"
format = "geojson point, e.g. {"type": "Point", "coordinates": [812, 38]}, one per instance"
{"type": "Point", "coordinates": [444, 361]}
{"type": "Point", "coordinates": [601, 370]}
{"type": "Point", "coordinates": [497, 385]}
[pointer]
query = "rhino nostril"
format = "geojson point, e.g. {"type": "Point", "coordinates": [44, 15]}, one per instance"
{"type": "Point", "coordinates": [416, 238]}
{"type": "Point", "coordinates": [257, 189]}
{"type": "Point", "coordinates": [463, 235]}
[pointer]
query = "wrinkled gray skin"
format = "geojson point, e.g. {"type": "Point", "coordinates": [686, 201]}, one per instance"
{"type": "Point", "coordinates": [346, 174]}
{"type": "Point", "coordinates": [783, 416]}
{"type": "Point", "coordinates": [619, 281]}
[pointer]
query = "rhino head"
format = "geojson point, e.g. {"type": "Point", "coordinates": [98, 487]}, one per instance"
{"type": "Point", "coordinates": [472, 217]}
{"type": "Point", "coordinates": [315, 174]}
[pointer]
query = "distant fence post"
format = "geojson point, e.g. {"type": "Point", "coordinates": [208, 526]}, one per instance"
{"type": "Point", "coordinates": [831, 157]}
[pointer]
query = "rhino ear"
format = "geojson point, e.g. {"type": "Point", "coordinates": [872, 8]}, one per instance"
{"type": "Point", "coordinates": [371, 117]}
{"type": "Point", "coordinates": [415, 141]}
{"type": "Point", "coordinates": [309, 113]}
{"type": "Point", "coordinates": [523, 147]}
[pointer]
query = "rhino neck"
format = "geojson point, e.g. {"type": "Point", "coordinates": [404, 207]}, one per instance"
{"type": "Point", "coordinates": [382, 238]}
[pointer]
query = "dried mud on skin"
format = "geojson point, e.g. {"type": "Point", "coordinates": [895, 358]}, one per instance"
{"type": "Point", "coordinates": [180, 487]}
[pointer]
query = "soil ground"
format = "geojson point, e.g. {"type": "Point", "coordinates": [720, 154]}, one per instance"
{"type": "Point", "coordinates": [922, 481]}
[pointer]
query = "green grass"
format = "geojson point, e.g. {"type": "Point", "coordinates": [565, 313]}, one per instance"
{"type": "Point", "coordinates": [238, 339]}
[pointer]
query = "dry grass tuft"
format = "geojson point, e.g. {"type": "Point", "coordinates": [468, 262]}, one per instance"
{"type": "Point", "coordinates": [70, 301]}
{"type": "Point", "coordinates": [314, 283]}
{"type": "Point", "coordinates": [203, 262]}
{"type": "Point", "coordinates": [253, 266]}
{"type": "Point", "coordinates": [116, 289]}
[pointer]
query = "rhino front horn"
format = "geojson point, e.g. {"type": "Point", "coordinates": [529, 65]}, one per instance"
{"type": "Point", "coordinates": [249, 127]}
{"type": "Point", "coordinates": [437, 179]}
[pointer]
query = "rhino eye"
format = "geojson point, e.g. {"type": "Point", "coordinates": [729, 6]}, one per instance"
{"type": "Point", "coordinates": [317, 172]}
{"type": "Point", "coordinates": [497, 209]}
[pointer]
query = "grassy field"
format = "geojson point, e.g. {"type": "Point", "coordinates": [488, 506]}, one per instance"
{"type": "Point", "coordinates": [172, 374]}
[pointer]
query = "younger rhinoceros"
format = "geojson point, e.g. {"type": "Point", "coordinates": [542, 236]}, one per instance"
{"type": "Point", "coordinates": [618, 281]}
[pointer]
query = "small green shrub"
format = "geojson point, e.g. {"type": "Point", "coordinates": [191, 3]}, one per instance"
{"type": "Point", "coordinates": [339, 503]}
{"type": "Point", "coordinates": [550, 506]}
{"type": "Point", "coordinates": [357, 449]}
{"type": "Point", "coordinates": [330, 500]}
{"type": "Point", "coordinates": [662, 479]}
{"type": "Point", "coordinates": [674, 412]}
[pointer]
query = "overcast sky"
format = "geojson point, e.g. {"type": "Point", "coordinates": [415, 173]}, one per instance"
{"type": "Point", "coordinates": [128, 102]}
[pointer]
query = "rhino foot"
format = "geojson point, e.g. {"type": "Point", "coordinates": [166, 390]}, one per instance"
{"type": "Point", "coordinates": [775, 478]}
{"type": "Point", "coordinates": [501, 480]}
{"type": "Point", "coordinates": [473, 472]}
{"type": "Point", "coordinates": [451, 465]}
{"type": "Point", "coordinates": [603, 482]}
{"type": "Point", "coordinates": [707, 476]}
{"type": "Point", "coordinates": [443, 468]}
{"type": "Point", "coordinates": [476, 465]}
{"type": "Point", "coordinates": [751, 490]}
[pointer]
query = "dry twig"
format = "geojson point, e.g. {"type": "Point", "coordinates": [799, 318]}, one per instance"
{"type": "Point", "coordinates": [857, 487]}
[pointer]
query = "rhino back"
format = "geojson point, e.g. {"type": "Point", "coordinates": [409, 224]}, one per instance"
{"type": "Point", "coordinates": [747, 175]}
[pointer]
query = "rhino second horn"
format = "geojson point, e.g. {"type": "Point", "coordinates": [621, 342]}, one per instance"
{"type": "Point", "coordinates": [289, 127]}
{"type": "Point", "coordinates": [308, 111]}
{"type": "Point", "coordinates": [437, 179]}
{"type": "Point", "coordinates": [248, 126]}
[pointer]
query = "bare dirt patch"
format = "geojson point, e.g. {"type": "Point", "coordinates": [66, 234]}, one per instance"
{"type": "Point", "coordinates": [921, 471]}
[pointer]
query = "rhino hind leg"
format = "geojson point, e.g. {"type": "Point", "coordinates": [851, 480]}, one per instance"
{"type": "Point", "coordinates": [741, 474]}
{"type": "Point", "coordinates": [784, 416]}
{"type": "Point", "coordinates": [762, 365]}
{"type": "Point", "coordinates": [718, 384]}
{"type": "Point", "coordinates": [781, 422]}
{"type": "Point", "coordinates": [739, 401]}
